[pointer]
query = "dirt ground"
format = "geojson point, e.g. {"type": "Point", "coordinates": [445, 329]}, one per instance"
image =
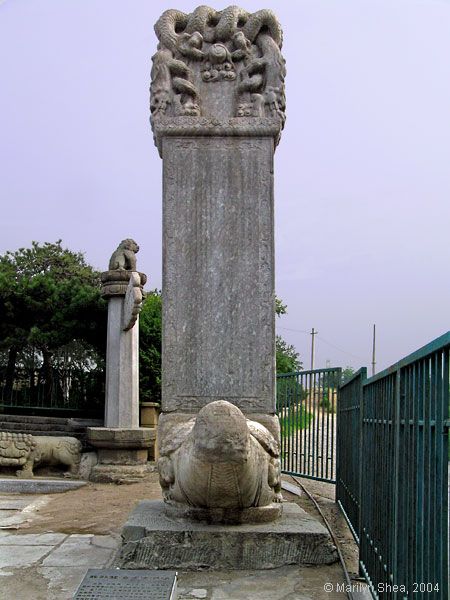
{"type": "Point", "coordinates": [324, 494]}
{"type": "Point", "coordinates": [98, 508]}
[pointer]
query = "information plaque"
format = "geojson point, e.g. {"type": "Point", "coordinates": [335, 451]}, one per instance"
{"type": "Point", "coordinates": [121, 584]}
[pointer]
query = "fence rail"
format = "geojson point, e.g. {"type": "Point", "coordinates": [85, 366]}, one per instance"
{"type": "Point", "coordinates": [306, 406]}
{"type": "Point", "coordinates": [392, 472]}
{"type": "Point", "coordinates": [349, 449]}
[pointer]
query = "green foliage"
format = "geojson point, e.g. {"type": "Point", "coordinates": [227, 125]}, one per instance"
{"type": "Point", "coordinates": [287, 358]}
{"type": "Point", "coordinates": [347, 373]}
{"type": "Point", "coordinates": [53, 319]}
{"type": "Point", "coordinates": [150, 320]}
{"type": "Point", "coordinates": [50, 306]}
{"type": "Point", "coordinates": [280, 308]}
{"type": "Point", "coordinates": [325, 402]}
{"type": "Point", "coordinates": [294, 421]}
{"type": "Point", "coordinates": [49, 296]}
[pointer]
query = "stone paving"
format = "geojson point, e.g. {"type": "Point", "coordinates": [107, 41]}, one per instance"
{"type": "Point", "coordinates": [44, 565]}
{"type": "Point", "coordinates": [50, 565]}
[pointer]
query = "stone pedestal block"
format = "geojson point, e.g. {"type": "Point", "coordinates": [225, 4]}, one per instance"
{"type": "Point", "coordinates": [154, 540]}
{"type": "Point", "coordinates": [122, 453]}
{"type": "Point", "coordinates": [149, 414]}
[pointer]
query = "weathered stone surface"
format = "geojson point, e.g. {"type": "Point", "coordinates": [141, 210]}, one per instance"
{"type": "Point", "coordinates": [122, 375]}
{"type": "Point", "coordinates": [133, 302]}
{"type": "Point", "coordinates": [124, 257]}
{"type": "Point", "coordinates": [78, 550]}
{"type": "Point", "coordinates": [151, 539]}
{"type": "Point", "coordinates": [120, 437]}
{"type": "Point", "coordinates": [88, 461]}
{"type": "Point", "coordinates": [52, 450]}
{"type": "Point", "coordinates": [220, 459]}
{"type": "Point", "coordinates": [218, 64]}
{"type": "Point", "coordinates": [218, 273]}
{"type": "Point", "coordinates": [226, 516]}
{"type": "Point", "coordinates": [16, 451]}
{"type": "Point", "coordinates": [38, 486]}
{"type": "Point", "coordinates": [28, 451]}
{"type": "Point", "coordinates": [122, 453]}
{"type": "Point", "coordinates": [115, 283]}
{"type": "Point", "coordinates": [118, 473]}
{"type": "Point", "coordinates": [122, 286]}
{"type": "Point", "coordinates": [217, 104]}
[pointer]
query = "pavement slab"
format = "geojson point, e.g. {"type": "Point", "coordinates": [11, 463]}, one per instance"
{"type": "Point", "coordinates": [285, 583]}
{"type": "Point", "coordinates": [79, 551]}
{"type": "Point", "coordinates": [21, 556]}
{"type": "Point", "coordinates": [31, 539]}
{"type": "Point", "coordinates": [15, 503]}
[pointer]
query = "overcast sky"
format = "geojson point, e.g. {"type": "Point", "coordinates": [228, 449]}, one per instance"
{"type": "Point", "coordinates": [362, 173]}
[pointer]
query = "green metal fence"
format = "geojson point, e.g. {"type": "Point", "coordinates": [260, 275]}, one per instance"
{"type": "Point", "coordinates": [306, 406]}
{"type": "Point", "coordinates": [349, 449]}
{"type": "Point", "coordinates": [392, 472]}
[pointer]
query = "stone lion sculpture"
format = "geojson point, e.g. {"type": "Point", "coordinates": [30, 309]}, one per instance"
{"type": "Point", "coordinates": [124, 257]}
{"type": "Point", "coordinates": [27, 451]}
{"type": "Point", "coordinates": [220, 460]}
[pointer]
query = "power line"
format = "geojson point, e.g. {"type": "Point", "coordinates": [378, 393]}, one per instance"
{"type": "Point", "coordinates": [324, 341]}
{"type": "Point", "coordinates": [298, 330]}
{"type": "Point", "coordinates": [340, 349]}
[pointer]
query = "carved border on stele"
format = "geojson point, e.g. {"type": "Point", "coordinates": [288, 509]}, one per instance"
{"type": "Point", "coordinates": [204, 126]}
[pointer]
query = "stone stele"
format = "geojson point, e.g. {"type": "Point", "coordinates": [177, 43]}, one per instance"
{"type": "Point", "coordinates": [217, 110]}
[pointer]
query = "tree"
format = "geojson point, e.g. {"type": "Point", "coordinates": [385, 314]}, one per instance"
{"type": "Point", "coordinates": [287, 358]}
{"type": "Point", "coordinates": [49, 297]}
{"type": "Point", "coordinates": [347, 373]}
{"type": "Point", "coordinates": [150, 320]}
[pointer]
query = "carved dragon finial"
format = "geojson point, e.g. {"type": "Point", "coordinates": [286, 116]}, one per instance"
{"type": "Point", "coordinates": [233, 47]}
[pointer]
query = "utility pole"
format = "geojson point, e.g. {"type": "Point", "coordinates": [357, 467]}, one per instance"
{"type": "Point", "coordinates": [313, 333]}
{"type": "Point", "coordinates": [373, 352]}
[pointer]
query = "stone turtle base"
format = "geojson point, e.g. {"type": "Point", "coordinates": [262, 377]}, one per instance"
{"type": "Point", "coordinates": [153, 540]}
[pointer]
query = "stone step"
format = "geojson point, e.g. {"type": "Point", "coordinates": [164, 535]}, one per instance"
{"type": "Point", "coordinates": [53, 432]}
{"type": "Point", "coordinates": [32, 427]}
{"type": "Point", "coordinates": [32, 419]}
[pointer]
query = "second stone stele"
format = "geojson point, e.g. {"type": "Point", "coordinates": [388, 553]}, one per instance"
{"type": "Point", "coordinates": [217, 103]}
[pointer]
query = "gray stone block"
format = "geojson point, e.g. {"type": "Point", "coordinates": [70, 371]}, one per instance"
{"type": "Point", "coordinates": [38, 486]}
{"type": "Point", "coordinates": [218, 310]}
{"type": "Point", "coordinates": [153, 540]}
